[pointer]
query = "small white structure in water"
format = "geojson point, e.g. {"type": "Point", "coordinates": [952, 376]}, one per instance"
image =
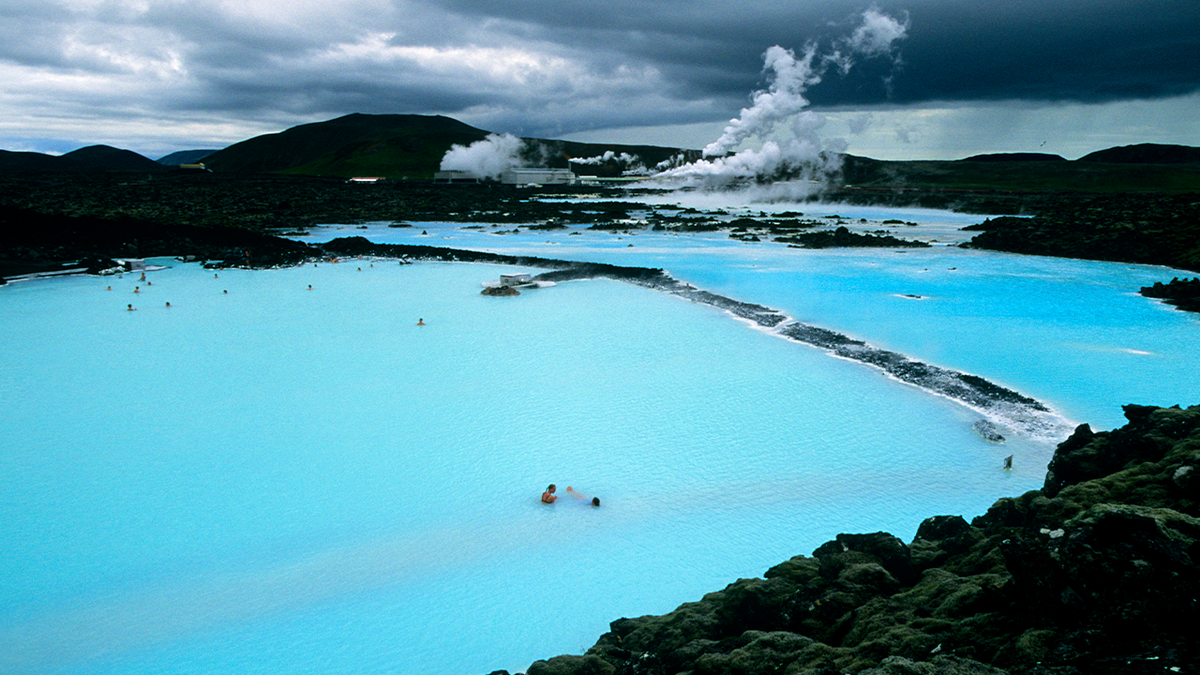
{"type": "Point", "coordinates": [519, 280]}
{"type": "Point", "coordinates": [515, 279]}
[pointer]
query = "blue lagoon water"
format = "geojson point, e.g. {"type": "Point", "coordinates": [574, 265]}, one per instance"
{"type": "Point", "coordinates": [263, 478]}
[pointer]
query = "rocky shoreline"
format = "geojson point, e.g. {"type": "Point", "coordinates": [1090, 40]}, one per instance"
{"type": "Point", "coordinates": [1182, 293]}
{"type": "Point", "coordinates": [1151, 229]}
{"type": "Point", "coordinates": [1095, 573]}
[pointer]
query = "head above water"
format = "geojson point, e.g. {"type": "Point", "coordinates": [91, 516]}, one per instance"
{"type": "Point", "coordinates": [595, 501]}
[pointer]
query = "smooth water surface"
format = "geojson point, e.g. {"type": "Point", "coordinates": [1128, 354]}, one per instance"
{"type": "Point", "coordinates": [264, 478]}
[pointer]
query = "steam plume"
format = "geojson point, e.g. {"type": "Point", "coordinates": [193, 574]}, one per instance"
{"type": "Point", "coordinates": [631, 164]}
{"type": "Point", "coordinates": [488, 158]}
{"type": "Point", "coordinates": [789, 77]}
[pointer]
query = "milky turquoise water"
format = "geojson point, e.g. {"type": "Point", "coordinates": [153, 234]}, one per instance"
{"type": "Point", "coordinates": [264, 478]}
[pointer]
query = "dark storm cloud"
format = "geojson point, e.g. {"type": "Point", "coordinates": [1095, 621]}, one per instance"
{"type": "Point", "coordinates": [543, 67]}
{"type": "Point", "coordinates": [1085, 51]}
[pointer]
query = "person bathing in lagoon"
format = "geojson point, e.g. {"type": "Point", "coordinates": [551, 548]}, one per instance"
{"type": "Point", "coordinates": [548, 496]}
{"type": "Point", "coordinates": [576, 494]}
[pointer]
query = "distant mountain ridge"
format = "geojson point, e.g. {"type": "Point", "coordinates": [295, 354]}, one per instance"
{"type": "Point", "coordinates": [1146, 153]}
{"type": "Point", "coordinates": [1015, 157]}
{"type": "Point", "coordinates": [90, 158]}
{"type": "Point", "coordinates": [185, 157]}
{"type": "Point", "coordinates": [353, 145]}
{"type": "Point", "coordinates": [412, 146]}
{"type": "Point", "coordinates": [398, 146]}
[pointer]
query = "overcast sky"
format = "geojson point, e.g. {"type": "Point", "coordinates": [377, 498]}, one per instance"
{"type": "Point", "coordinates": [959, 77]}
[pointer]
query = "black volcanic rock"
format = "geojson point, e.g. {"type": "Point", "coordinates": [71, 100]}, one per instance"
{"type": "Point", "coordinates": [1097, 573]}
{"type": "Point", "coordinates": [500, 291]}
{"type": "Point", "coordinates": [844, 238]}
{"type": "Point", "coordinates": [1142, 228]}
{"type": "Point", "coordinates": [1182, 293]}
{"type": "Point", "coordinates": [32, 241]}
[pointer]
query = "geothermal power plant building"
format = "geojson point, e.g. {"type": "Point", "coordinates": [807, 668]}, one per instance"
{"type": "Point", "coordinates": [511, 177]}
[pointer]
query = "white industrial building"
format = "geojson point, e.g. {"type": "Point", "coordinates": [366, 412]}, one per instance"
{"type": "Point", "coordinates": [511, 177]}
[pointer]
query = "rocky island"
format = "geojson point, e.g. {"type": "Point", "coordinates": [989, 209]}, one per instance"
{"type": "Point", "coordinates": [1094, 573]}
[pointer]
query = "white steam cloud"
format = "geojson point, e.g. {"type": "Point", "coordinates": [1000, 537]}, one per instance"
{"type": "Point", "coordinates": [488, 158]}
{"type": "Point", "coordinates": [789, 77]}
{"type": "Point", "coordinates": [875, 35]}
{"type": "Point", "coordinates": [630, 164]}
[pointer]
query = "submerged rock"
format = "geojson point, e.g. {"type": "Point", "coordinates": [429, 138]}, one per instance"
{"type": "Point", "coordinates": [500, 291]}
{"type": "Point", "coordinates": [988, 431]}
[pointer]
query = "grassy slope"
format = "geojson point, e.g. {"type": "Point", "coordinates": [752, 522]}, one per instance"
{"type": "Point", "coordinates": [354, 145]}
{"type": "Point", "coordinates": [1035, 176]}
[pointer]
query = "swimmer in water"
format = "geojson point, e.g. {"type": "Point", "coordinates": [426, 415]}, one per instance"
{"type": "Point", "coordinates": [548, 496]}
{"type": "Point", "coordinates": [577, 495]}
{"type": "Point", "coordinates": [130, 308]}
{"type": "Point", "coordinates": [420, 322]}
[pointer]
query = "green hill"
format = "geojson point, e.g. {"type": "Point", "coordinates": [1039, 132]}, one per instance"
{"type": "Point", "coordinates": [108, 158]}
{"type": "Point", "coordinates": [1023, 175]}
{"type": "Point", "coordinates": [402, 146]}
{"type": "Point", "coordinates": [185, 157]}
{"type": "Point", "coordinates": [91, 158]}
{"type": "Point", "coordinates": [353, 145]}
{"type": "Point", "coordinates": [1146, 153]}
{"type": "Point", "coordinates": [17, 161]}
